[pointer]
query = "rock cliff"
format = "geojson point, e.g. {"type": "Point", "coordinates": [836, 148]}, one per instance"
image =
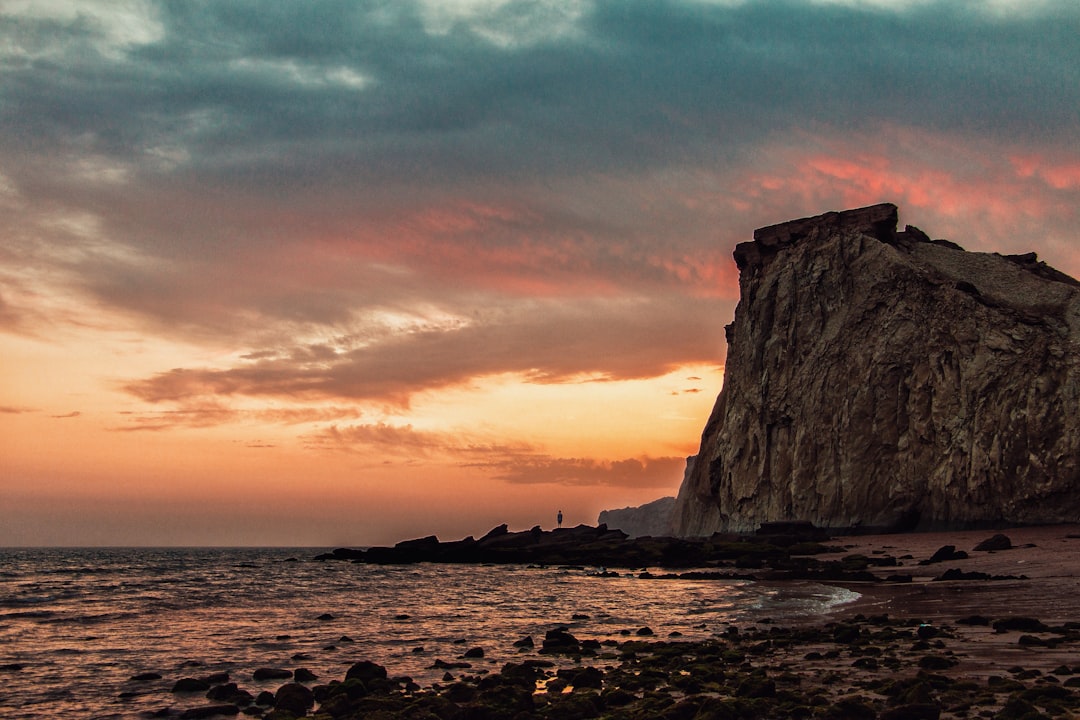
{"type": "Point", "coordinates": [880, 379]}
{"type": "Point", "coordinates": [651, 519]}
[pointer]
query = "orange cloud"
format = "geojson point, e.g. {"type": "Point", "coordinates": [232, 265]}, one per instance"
{"type": "Point", "coordinates": [512, 462]}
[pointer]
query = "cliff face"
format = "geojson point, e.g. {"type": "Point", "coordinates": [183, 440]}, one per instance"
{"type": "Point", "coordinates": [877, 378]}
{"type": "Point", "coordinates": [649, 520]}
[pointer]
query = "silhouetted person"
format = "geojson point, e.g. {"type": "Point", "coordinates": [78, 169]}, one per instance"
{"type": "Point", "coordinates": [559, 518]}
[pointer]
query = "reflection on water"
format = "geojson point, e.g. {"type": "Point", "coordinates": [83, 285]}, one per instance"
{"type": "Point", "coordinates": [80, 623]}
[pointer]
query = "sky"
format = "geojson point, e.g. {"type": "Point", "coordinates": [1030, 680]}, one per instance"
{"type": "Point", "coordinates": [345, 273]}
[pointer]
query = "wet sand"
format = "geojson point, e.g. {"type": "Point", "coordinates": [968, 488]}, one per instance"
{"type": "Point", "coordinates": [1049, 557]}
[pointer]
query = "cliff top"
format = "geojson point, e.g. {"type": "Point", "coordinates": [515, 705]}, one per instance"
{"type": "Point", "coordinates": [1023, 282]}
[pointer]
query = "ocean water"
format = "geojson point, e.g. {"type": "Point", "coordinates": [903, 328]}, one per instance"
{"type": "Point", "coordinates": [77, 624]}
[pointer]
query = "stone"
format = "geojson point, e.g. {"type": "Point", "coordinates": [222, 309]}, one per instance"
{"type": "Point", "coordinates": [963, 412]}
{"type": "Point", "coordinates": [1020, 624]}
{"type": "Point", "coordinates": [294, 698]}
{"type": "Point", "coordinates": [146, 677]}
{"type": "Point", "coordinates": [271, 674]}
{"type": "Point", "coordinates": [995, 543]}
{"type": "Point", "coordinates": [915, 711]}
{"type": "Point", "coordinates": [366, 671]}
{"type": "Point", "coordinates": [190, 685]}
{"type": "Point", "coordinates": [560, 640]}
{"type": "Point", "coordinates": [945, 553]}
{"type": "Point", "coordinates": [476, 652]}
{"type": "Point", "coordinates": [304, 675]}
{"type": "Point", "coordinates": [208, 711]}
{"type": "Point", "coordinates": [652, 519]}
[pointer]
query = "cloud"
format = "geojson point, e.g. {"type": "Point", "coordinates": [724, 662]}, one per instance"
{"type": "Point", "coordinates": [662, 472]}
{"type": "Point", "coordinates": [204, 412]}
{"type": "Point", "coordinates": [66, 416]}
{"type": "Point", "coordinates": [511, 462]}
{"type": "Point", "coordinates": [16, 410]}
{"type": "Point", "coordinates": [544, 341]}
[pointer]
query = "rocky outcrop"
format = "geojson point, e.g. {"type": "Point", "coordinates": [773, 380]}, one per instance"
{"type": "Point", "coordinates": [880, 379]}
{"type": "Point", "coordinates": [651, 519]}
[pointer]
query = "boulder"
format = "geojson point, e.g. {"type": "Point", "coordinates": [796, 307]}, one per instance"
{"type": "Point", "coordinates": [294, 698]}
{"type": "Point", "coordinates": [271, 674]}
{"type": "Point", "coordinates": [365, 671]}
{"type": "Point", "coordinates": [995, 543]}
{"type": "Point", "coordinates": [190, 685]}
{"type": "Point", "coordinates": [968, 375]}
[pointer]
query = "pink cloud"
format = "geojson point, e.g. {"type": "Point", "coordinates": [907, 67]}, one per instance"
{"type": "Point", "coordinates": [982, 196]}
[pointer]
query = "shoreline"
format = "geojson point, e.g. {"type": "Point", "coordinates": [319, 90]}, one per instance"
{"type": "Point", "coordinates": [921, 649]}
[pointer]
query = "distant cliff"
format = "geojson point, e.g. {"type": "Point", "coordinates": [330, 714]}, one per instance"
{"type": "Point", "coordinates": [651, 519]}
{"type": "Point", "coordinates": [881, 379]}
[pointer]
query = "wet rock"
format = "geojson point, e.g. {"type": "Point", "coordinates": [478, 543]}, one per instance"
{"type": "Point", "coordinates": [141, 677]}
{"type": "Point", "coordinates": [271, 674]}
{"type": "Point", "coordinates": [304, 675]}
{"type": "Point", "coordinates": [476, 652]}
{"type": "Point", "coordinates": [645, 631]}
{"type": "Point", "coordinates": [217, 678]}
{"type": "Point", "coordinates": [851, 709]}
{"type": "Point", "coordinates": [958, 574]}
{"type": "Point", "coordinates": [588, 677]}
{"type": "Point", "coordinates": [560, 640]}
{"type": "Point", "coordinates": [443, 665]}
{"type": "Point", "coordinates": [1020, 624]}
{"type": "Point", "coordinates": [1017, 709]}
{"type": "Point", "coordinates": [936, 662]}
{"type": "Point", "coordinates": [294, 698]}
{"type": "Point", "coordinates": [756, 687]}
{"type": "Point", "coordinates": [222, 692]}
{"type": "Point", "coordinates": [995, 543]}
{"type": "Point", "coordinates": [189, 684]}
{"type": "Point", "coordinates": [946, 553]}
{"type": "Point", "coordinates": [525, 642]}
{"type": "Point", "coordinates": [265, 698]}
{"type": "Point", "coordinates": [325, 616]}
{"type": "Point", "coordinates": [846, 634]}
{"type": "Point", "coordinates": [208, 711]}
{"type": "Point", "coordinates": [366, 671]}
{"type": "Point", "coordinates": [925, 632]}
{"type": "Point", "coordinates": [917, 711]}
{"type": "Point", "coordinates": [977, 620]}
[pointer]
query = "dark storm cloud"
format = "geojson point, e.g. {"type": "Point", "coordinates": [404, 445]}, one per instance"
{"type": "Point", "coordinates": [289, 97]}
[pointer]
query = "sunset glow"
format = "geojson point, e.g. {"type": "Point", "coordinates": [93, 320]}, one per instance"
{"type": "Point", "coordinates": [346, 275]}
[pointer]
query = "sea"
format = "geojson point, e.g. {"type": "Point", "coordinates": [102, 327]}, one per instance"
{"type": "Point", "coordinates": [77, 625]}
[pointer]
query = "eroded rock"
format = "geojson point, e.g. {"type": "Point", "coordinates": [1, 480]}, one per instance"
{"type": "Point", "coordinates": [878, 380]}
